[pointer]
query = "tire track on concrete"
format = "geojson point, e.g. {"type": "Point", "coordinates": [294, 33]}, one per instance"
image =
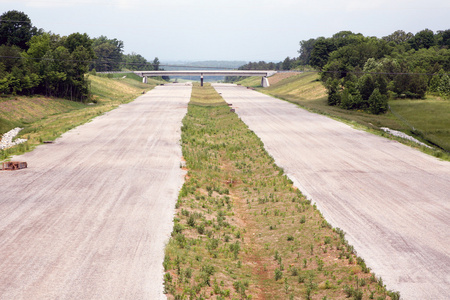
{"type": "Point", "coordinates": [391, 200]}
{"type": "Point", "coordinates": [90, 216]}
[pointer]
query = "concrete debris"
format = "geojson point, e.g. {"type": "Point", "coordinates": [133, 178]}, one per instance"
{"type": "Point", "coordinates": [13, 165]}
{"type": "Point", "coordinates": [403, 135]}
{"type": "Point", "coordinates": [7, 139]}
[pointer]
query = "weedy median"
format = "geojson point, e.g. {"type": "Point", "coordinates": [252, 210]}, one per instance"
{"type": "Point", "coordinates": [242, 230]}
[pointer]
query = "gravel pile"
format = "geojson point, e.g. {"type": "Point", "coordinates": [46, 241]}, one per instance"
{"type": "Point", "coordinates": [7, 139]}
{"type": "Point", "coordinates": [403, 135]}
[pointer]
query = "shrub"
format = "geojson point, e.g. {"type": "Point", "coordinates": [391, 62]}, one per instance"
{"type": "Point", "coordinates": [191, 221]}
{"type": "Point", "coordinates": [278, 274]}
{"type": "Point", "coordinates": [377, 103]}
{"type": "Point", "coordinates": [201, 228]}
{"type": "Point", "coordinates": [235, 248]}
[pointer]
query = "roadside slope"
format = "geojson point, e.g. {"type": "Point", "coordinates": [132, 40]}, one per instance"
{"type": "Point", "coordinates": [46, 118]}
{"type": "Point", "coordinates": [391, 200]}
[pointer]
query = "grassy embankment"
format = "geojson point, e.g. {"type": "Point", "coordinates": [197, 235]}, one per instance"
{"type": "Point", "coordinates": [427, 120]}
{"type": "Point", "coordinates": [46, 119]}
{"type": "Point", "coordinates": [243, 231]}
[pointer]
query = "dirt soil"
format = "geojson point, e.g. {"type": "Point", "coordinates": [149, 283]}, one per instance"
{"type": "Point", "coordinates": [89, 217]}
{"type": "Point", "coordinates": [391, 200]}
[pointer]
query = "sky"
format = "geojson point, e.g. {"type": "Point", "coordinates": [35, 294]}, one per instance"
{"type": "Point", "coordinates": [243, 30]}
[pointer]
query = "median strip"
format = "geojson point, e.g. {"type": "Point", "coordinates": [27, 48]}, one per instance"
{"type": "Point", "coordinates": [241, 229]}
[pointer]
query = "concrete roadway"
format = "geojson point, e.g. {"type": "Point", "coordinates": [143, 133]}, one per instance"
{"type": "Point", "coordinates": [392, 201]}
{"type": "Point", "coordinates": [90, 216]}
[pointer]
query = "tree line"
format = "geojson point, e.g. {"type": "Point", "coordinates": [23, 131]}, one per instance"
{"type": "Point", "coordinates": [33, 61]}
{"type": "Point", "coordinates": [362, 72]}
{"type": "Point", "coordinates": [287, 64]}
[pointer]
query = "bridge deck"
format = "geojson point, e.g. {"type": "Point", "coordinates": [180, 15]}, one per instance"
{"type": "Point", "coordinates": [263, 73]}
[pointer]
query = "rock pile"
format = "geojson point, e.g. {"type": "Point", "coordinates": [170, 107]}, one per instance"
{"type": "Point", "coordinates": [7, 139]}
{"type": "Point", "coordinates": [403, 135]}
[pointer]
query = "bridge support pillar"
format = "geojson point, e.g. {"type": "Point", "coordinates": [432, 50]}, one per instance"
{"type": "Point", "coordinates": [201, 80]}
{"type": "Point", "coordinates": [265, 82]}
{"type": "Point", "coordinates": [144, 79]}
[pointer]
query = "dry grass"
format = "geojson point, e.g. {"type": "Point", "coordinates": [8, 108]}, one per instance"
{"type": "Point", "coordinates": [205, 96]}
{"type": "Point", "coordinates": [304, 86]}
{"type": "Point", "coordinates": [280, 76]}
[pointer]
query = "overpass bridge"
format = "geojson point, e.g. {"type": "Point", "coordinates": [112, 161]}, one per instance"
{"type": "Point", "coordinates": [201, 73]}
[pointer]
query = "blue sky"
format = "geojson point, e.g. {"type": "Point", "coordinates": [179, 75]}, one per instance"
{"type": "Point", "coordinates": [249, 30]}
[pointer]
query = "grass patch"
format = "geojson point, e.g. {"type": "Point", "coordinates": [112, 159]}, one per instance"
{"type": "Point", "coordinates": [430, 119]}
{"type": "Point", "coordinates": [241, 229]}
{"type": "Point", "coordinates": [205, 96]}
{"type": "Point", "coordinates": [305, 86]}
{"type": "Point", "coordinates": [46, 119]}
{"type": "Point", "coordinates": [252, 81]}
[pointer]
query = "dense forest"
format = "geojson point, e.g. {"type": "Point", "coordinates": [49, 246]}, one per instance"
{"type": "Point", "coordinates": [364, 72]}
{"type": "Point", "coordinates": [33, 61]}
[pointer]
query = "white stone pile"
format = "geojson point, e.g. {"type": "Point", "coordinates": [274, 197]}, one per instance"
{"type": "Point", "coordinates": [7, 139]}
{"type": "Point", "coordinates": [403, 135]}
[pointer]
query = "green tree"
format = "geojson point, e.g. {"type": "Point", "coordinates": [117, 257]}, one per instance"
{"type": "Point", "coordinates": [418, 84]}
{"type": "Point", "coordinates": [75, 40]}
{"type": "Point", "coordinates": [136, 62]}
{"type": "Point", "coordinates": [443, 38]}
{"type": "Point", "coordinates": [377, 102]}
{"type": "Point", "coordinates": [423, 39]}
{"type": "Point", "coordinates": [156, 64]}
{"type": "Point", "coordinates": [344, 38]}
{"type": "Point", "coordinates": [321, 51]}
{"type": "Point", "coordinates": [351, 97]}
{"type": "Point", "coordinates": [366, 85]}
{"type": "Point", "coordinates": [16, 29]}
{"type": "Point", "coordinates": [399, 37]}
{"type": "Point", "coordinates": [444, 86]}
{"type": "Point", "coordinates": [109, 54]}
{"type": "Point", "coordinates": [287, 64]}
{"type": "Point", "coordinates": [10, 57]}
{"type": "Point", "coordinates": [39, 45]}
{"type": "Point", "coordinates": [306, 48]}
{"type": "Point", "coordinates": [333, 89]}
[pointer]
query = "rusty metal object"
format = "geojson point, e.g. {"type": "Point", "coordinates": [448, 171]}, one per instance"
{"type": "Point", "coordinates": [13, 165]}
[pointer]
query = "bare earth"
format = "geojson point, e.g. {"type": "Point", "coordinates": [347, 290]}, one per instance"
{"type": "Point", "coordinates": [391, 200]}
{"type": "Point", "coordinates": [90, 216]}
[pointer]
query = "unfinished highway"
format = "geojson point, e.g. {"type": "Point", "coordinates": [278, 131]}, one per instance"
{"type": "Point", "coordinates": [89, 217]}
{"type": "Point", "coordinates": [391, 200]}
